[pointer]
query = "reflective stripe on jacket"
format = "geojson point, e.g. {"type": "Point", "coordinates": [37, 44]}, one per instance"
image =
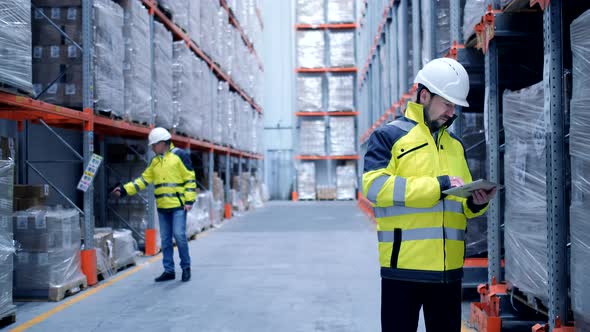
{"type": "Point", "coordinates": [421, 232]}
{"type": "Point", "coordinates": [173, 178]}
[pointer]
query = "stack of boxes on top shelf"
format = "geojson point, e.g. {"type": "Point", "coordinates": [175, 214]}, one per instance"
{"type": "Point", "coordinates": [58, 60]}
{"type": "Point", "coordinates": [123, 73]}
{"type": "Point", "coordinates": [326, 92]}
{"type": "Point", "coordinates": [580, 165]}
{"type": "Point", "coordinates": [15, 45]}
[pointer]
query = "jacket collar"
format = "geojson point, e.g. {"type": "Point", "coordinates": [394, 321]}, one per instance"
{"type": "Point", "coordinates": [415, 112]}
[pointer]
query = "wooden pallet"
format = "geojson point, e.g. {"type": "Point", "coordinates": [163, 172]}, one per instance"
{"type": "Point", "coordinates": [124, 265]}
{"type": "Point", "coordinates": [53, 294]}
{"type": "Point", "coordinates": [4, 87]}
{"type": "Point", "coordinates": [7, 316]}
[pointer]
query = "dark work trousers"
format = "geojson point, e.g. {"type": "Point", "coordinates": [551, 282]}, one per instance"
{"type": "Point", "coordinates": [401, 302]}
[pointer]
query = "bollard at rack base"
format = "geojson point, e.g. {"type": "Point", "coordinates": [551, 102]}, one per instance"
{"type": "Point", "coordinates": [88, 258]}
{"type": "Point", "coordinates": [151, 248]}
{"type": "Point", "coordinates": [294, 196]}
{"type": "Point", "coordinates": [227, 211]}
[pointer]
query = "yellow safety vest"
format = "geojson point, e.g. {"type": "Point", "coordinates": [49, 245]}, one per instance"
{"type": "Point", "coordinates": [421, 232]}
{"type": "Point", "coordinates": [173, 178]}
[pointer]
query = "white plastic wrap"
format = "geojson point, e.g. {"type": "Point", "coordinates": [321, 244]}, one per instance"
{"type": "Point", "coordinates": [179, 10]}
{"type": "Point", "coordinates": [310, 12]}
{"type": "Point", "coordinates": [194, 21]}
{"type": "Point", "coordinates": [309, 93]}
{"type": "Point", "coordinates": [472, 13]}
{"type": "Point", "coordinates": [103, 242]}
{"type": "Point", "coordinates": [342, 136]}
{"type": "Point", "coordinates": [579, 142]}
{"type": "Point", "coordinates": [49, 254]}
{"type": "Point", "coordinates": [525, 229]}
{"type": "Point", "coordinates": [15, 45]}
{"type": "Point", "coordinates": [124, 248]}
{"type": "Point", "coordinates": [199, 217]}
{"type": "Point", "coordinates": [109, 58]}
{"type": "Point", "coordinates": [306, 181]}
{"type": "Point", "coordinates": [474, 140]}
{"type": "Point", "coordinates": [443, 27]}
{"type": "Point", "coordinates": [346, 182]}
{"type": "Point", "coordinates": [310, 48]}
{"type": "Point", "coordinates": [163, 76]}
{"type": "Point", "coordinates": [340, 93]}
{"type": "Point", "coordinates": [182, 82]}
{"type": "Point", "coordinates": [7, 248]}
{"type": "Point", "coordinates": [341, 48]}
{"type": "Point", "coordinates": [137, 66]}
{"type": "Point", "coordinates": [312, 137]}
{"type": "Point", "coordinates": [191, 121]}
{"type": "Point", "coordinates": [340, 11]}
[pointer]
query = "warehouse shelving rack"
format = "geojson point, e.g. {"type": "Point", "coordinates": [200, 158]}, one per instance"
{"type": "Point", "coordinates": [352, 26]}
{"type": "Point", "coordinates": [24, 110]}
{"type": "Point", "coordinates": [495, 25]}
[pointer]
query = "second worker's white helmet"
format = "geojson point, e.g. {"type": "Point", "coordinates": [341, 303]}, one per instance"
{"type": "Point", "coordinates": [157, 135]}
{"type": "Point", "coordinates": [447, 78]}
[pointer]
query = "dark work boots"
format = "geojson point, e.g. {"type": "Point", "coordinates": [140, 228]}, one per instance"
{"type": "Point", "coordinates": [186, 274]}
{"type": "Point", "coordinates": [166, 276]}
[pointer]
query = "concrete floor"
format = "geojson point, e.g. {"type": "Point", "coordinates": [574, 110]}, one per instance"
{"type": "Point", "coordinates": [306, 266]}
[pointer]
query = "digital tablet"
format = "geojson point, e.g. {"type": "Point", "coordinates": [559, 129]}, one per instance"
{"type": "Point", "coordinates": [467, 189]}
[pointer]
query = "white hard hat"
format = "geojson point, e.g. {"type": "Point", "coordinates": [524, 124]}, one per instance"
{"type": "Point", "coordinates": [447, 78]}
{"type": "Point", "coordinates": [157, 135]}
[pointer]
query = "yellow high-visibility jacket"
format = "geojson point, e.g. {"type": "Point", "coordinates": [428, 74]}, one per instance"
{"type": "Point", "coordinates": [421, 232]}
{"type": "Point", "coordinates": [173, 178]}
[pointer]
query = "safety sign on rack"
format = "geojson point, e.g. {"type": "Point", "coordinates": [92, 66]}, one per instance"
{"type": "Point", "coordinates": [89, 173]}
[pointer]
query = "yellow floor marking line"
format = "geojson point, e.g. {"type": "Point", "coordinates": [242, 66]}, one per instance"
{"type": "Point", "coordinates": [83, 296]}
{"type": "Point", "coordinates": [44, 316]}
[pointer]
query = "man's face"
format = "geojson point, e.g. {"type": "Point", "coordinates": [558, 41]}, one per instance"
{"type": "Point", "coordinates": [160, 148]}
{"type": "Point", "coordinates": [439, 110]}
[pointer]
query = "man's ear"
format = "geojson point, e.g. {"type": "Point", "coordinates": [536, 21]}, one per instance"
{"type": "Point", "coordinates": [424, 97]}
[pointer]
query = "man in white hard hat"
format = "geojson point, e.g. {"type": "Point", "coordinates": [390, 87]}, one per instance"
{"type": "Point", "coordinates": [172, 174]}
{"type": "Point", "coordinates": [421, 231]}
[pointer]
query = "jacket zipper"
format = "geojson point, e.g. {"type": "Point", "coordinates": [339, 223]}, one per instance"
{"type": "Point", "coordinates": [412, 150]}
{"type": "Point", "coordinates": [443, 224]}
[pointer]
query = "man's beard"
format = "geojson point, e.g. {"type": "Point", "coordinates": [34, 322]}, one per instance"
{"type": "Point", "coordinates": [433, 125]}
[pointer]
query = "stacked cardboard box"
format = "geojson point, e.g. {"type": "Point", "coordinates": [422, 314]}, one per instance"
{"type": "Point", "coordinates": [342, 140]}
{"type": "Point", "coordinates": [340, 93]}
{"type": "Point", "coordinates": [124, 248]}
{"type": "Point", "coordinates": [54, 54]}
{"type": "Point", "coordinates": [163, 76]}
{"type": "Point", "coordinates": [340, 11]}
{"type": "Point", "coordinates": [310, 12]}
{"type": "Point", "coordinates": [137, 66]}
{"type": "Point", "coordinates": [15, 44]}
{"type": "Point", "coordinates": [310, 49]}
{"type": "Point", "coordinates": [525, 229]}
{"type": "Point", "coordinates": [6, 236]}
{"type": "Point", "coordinates": [306, 185]}
{"type": "Point", "coordinates": [50, 251]}
{"type": "Point", "coordinates": [309, 94]}
{"type": "Point", "coordinates": [182, 81]}
{"type": "Point", "coordinates": [341, 48]}
{"type": "Point", "coordinates": [103, 242]}
{"type": "Point", "coordinates": [28, 196]}
{"type": "Point", "coordinates": [346, 181]}
{"type": "Point", "coordinates": [326, 192]}
{"type": "Point", "coordinates": [312, 139]}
